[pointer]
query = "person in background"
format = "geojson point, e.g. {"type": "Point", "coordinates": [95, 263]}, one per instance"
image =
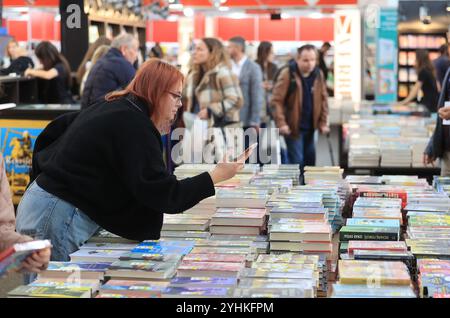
{"type": "Point", "coordinates": [250, 82]}
{"type": "Point", "coordinates": [442, 63]}
{"type": "Point", "coordinates": [86, 64]}
{"type": "Point", "coordinates": [123, 187]}
{"type": "Point", "coordinates": [156, 52]}
{"type": "Point", "coordinates": [100, 52]}
{"type": "Point", "coordinates": [112, 72]}
{"type": "Point", "coordinates": [265, 58]}
{"type": "Point", "coordinates": [19, 60]}
{"type": "Point", "coordinates": [300, 102]}
{"type": "Point", "coordinates": [426, 81]}
{"type": "Point", "coordinates": [322, 53]}
{"type": "Point", "coordinates": [38, 261]}
{"type": "Point", "coordinates": [439, 144]}
{"type": "Point", "coordinates": [55, 72]}
{"type": "Point", "coordinates": [212, 91]}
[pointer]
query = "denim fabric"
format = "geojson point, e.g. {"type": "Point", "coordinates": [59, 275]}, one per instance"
{"type": "Point", "coordinates": [42, 215]}
{"type": "Point", "coordinates": [302, 150]}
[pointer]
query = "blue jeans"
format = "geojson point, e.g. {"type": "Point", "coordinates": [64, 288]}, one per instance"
{"type": "Point", "coordinates": [42, 215]}
{"type": "Point", "coordinates": [301, 150]}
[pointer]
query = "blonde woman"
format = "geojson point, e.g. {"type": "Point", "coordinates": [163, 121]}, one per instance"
{"type": "Point", "coordinates": [212, 90]}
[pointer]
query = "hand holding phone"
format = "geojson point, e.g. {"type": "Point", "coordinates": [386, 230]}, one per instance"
{"type": "Point", "coordinates": [247, 153]}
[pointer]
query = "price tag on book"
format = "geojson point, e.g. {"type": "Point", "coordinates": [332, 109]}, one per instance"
{"type": "Point", "coordinates": [446, 121]}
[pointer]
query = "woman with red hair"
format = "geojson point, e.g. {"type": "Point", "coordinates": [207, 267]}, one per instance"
{"type": "Point", "coordinates": [103, 167]}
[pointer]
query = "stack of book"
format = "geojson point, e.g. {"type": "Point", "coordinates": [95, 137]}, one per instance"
{"type": "Point", "coordinates": [120, 288]}
{"type": "Point", "coordinates": [363, 151]}
{"type": "Point", "coordinates": [442, 184]}
{"type": "Point", "coordinates": [289, 271]}
{"type": "Point", "coordinates": [285, 171]}
{"type": "Point", "coordinates": [200, 287]}
{"type": "Point", "coordinates": [395, 154]}
{"type": "Point", "coordinates": [323, 173]}
{"type": "Point", "coordinates": [239, 221]}
{"type": "Point", "coordinates": [273, 185]}
{"type": "Point", "coordinates": [398, 140]}
{"type": "Point", "coordinates": [382, 192]}
{"type": "Point", "coordinates": [429, 234]}
{"type": "Point", "coordinates": [150, 260]}
{"type": "Point", "coordinates": [434, 278]}
{"type": "Point", "coordinates": [372, 279]}
{"type": "Point", "coordinates": [241, 197]}
{"type": "Point", "coordinates": [378, 208]}
{"type": "Point", "coordinates": [363, 179]}
{"type": "Point", "coordinates": [367, 229]}
{"type": "Point", "coordinates": [405, 181]}
{"type": "Point", "coordinates": [65, 280]}
{"type": "Point", "coordinates": [185, 222]}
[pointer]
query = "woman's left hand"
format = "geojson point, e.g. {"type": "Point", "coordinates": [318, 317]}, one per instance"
{"type": "Point", "coordinates": [36, 262]}
{"type": "Point", "coordinates": [444, 113]}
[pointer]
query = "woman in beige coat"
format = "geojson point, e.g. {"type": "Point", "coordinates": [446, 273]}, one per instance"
{"type": "Point", "coordinates": [8, 236]}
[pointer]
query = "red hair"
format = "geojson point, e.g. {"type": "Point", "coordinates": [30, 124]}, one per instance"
{"type": "Point", "coordinates": [153, 79]}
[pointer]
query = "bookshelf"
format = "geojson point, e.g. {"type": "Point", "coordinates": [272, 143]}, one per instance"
{"type": "Point", "coordinates": [112, 26]}
{"type": "Point", "coordinates": [409, 42]}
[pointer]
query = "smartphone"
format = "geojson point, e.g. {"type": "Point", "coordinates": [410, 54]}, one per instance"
{"type": "Point", "coordinates": [446, 122]}
{"type": "Point", "coordinates": [247, 151]}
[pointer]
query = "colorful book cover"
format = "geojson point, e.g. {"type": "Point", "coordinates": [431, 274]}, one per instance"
{"type": "Point", "coordinates": [150, 257]}
{"type": "Point", "coordinates": [163, 249]}
{"type": "Point", "coordinates": [12, 257]}
{"type": "Point", "coordinates": [195, 292]}
{"type": "Point", "coordinates": [148, 266]}
{"type": "Point", "coordinates": [50, 292]}
{"type": "Point", "coordinates": [203, 282]}
{"type": "Point", "coordinates": [211, 266]}
{"type": "Point", "coordinates": [399, 246]}
{"type": "Point", "coordinates": [17, 138]}
{"type": "Point", "coordinates": [373, 222]}
{"type": "Point", "coordinates": [114, 286]}
{"type": "Point", "coordinates": [227, 258]}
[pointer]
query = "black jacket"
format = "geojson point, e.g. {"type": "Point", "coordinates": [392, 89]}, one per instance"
{"type": "Point", "coordinates": [18, 66]}
{"type": "Point", "coordinates": [107, 161]}
{"type": "Point", "coordinates": [439, 142]}
{"type": "Point", "coordinates": [112, 72]}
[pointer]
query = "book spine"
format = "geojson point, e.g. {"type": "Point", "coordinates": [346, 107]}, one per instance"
{"type": "Point", "coordinates": [356, 236]}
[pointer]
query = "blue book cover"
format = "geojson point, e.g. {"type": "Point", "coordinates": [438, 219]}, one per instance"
{"type": "Point", "coordinates": [83, 266]}
{"type": "Point", "coordinates": [195, 292]}
{"type": "Point", "coordinates": [180, 250]}
{"type": "Point", "coordinates": [203, 282]}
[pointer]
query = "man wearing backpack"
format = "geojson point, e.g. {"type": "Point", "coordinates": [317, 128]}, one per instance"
{"type": "Point", "coordinates": [299, 101]}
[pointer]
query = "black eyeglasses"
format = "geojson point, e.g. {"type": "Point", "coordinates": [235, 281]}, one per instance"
{"type": "Point", "coordinates": [177, 96]}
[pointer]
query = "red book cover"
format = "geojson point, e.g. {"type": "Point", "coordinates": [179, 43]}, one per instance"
{"type": "Point", "coordinates": [385, 193]}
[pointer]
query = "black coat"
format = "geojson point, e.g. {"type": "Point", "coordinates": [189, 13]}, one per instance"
{"type": "Point", "coordinates": [107, 161]}
{"type": "Point", "coordinates": [439, 142]}
{"type": "Point", "coordinates": [112, 72]}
